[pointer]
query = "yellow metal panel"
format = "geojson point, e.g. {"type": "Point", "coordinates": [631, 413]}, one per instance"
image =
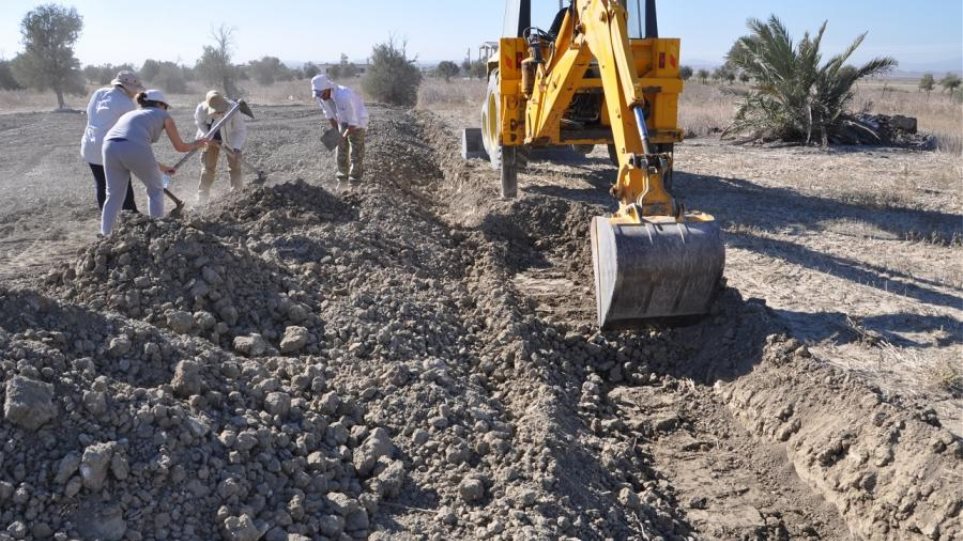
{"type": "Point", "coordinates": [511, 52]}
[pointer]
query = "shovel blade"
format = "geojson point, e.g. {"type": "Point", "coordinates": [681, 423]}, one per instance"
{"type": "Point", "coordinates": [244, 108]}
{"type": "Point", "coordinates": [654, 270]}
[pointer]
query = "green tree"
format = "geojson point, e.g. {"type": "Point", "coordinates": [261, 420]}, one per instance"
{"type": "Point", "coordinates": [447, 69]}
{"type": "Point", "coordinates": [104, 73]}
{"type": "Point", "coordinates": [170, 78]}
{"type": "Point", "coordinates": [927, 83]}
{"type": "Point", "coordinates": [796, 96]}
{"type": "Point", "coordinates": [267, 70]}
{"type": "Point", "coordinates": [703, 75]}
{"type": "Point", "coordinates": [49, 33]}
{"type": "Point", "coordinates": [310, 69]}
{"type": "Point", "coordinates": [343, 69]}
{"type": "Point", "coordinates": [392, 77]}
{"type": "Point", "coordinates": [215, 67]}
{"type": "Point", "coordinates": [476, 70]}
{"type": "Point", "coordinates": [950, 82]}
{"type": "Point", "coordinates": [685, 72]}
{"type": "Point", "coordinates": [348, 69]}
{"type": "Point", "coordinates": [7, 80]}
{"type": "Point", "coordinates": [724, 74]}
{"type": "Point", "coordinates": [150, 68]}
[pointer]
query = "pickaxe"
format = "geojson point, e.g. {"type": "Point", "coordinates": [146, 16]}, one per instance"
{"type": "Point", "coordinates": [240, 106]}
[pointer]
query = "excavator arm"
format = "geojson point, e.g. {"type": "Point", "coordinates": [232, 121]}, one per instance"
{"type": "Point", "coordinates": [652, 258]}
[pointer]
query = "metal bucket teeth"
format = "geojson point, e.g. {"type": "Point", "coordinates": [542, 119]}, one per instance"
{"type": "Point", "coordinates": [654, 270]}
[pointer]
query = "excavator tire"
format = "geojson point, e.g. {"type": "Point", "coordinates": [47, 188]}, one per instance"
{"type": "Point", "coordinates": [659, 269]}
{"type": "Point", "coordinates": [505, 159]}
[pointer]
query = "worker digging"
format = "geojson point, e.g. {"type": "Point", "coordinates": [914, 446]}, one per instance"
{"type": "Point", "coordinates": [230, 138]}
{"type": "Point", "coordinates": [127, 150]}
{"type": "Point", "coordinates": [345, 111]}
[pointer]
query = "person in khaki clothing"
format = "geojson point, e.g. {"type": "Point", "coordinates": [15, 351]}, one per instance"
{"type": "Point", "coordinates": [346, 112]}
{"type": "Point", "coordinates": [231, 138]}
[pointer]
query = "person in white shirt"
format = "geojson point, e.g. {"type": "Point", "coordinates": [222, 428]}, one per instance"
{"type": "Point", "coordinates": [346, 112]}
{"type": "Point", "coordinates": [231, 137]}
{"type": "Point", "coordinates": [105, 107]}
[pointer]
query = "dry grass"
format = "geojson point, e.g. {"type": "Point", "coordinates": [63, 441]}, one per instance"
{"type": "Point", "coordinates": [436, 93]}
{"type": "Point", "coordinates": [704, 108]}
{"type": "Point", "coordinates": [22, 101]}
{"type": "Point", "coordinates": [938, 114]}
{"type": "Point", "coordinates": [280, 93]}
{"type": "Point", "coordinates": [947, 375]}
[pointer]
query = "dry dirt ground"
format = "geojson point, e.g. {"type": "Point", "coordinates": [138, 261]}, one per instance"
{"type": "Point", "coordinates": [413, 358]}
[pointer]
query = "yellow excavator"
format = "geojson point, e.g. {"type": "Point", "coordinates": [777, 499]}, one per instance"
{"type": "Point", "coordinates": [600, 74]}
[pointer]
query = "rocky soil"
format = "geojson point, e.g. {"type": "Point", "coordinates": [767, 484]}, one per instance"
{"type": "Point", "coordinates": [413, 359]}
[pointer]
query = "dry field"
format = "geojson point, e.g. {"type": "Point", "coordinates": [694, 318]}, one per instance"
{"type": "Point", "coordinates": [414, 358]}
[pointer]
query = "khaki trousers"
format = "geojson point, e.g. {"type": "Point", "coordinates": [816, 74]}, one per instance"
{"type": "Point", "coordinates": [209, 171]}
{"type": "Point", "coordinates": [350, 155]}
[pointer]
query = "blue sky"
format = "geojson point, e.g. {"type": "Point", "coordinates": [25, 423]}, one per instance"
{"type": "Point", "coordinates": [921, 35]}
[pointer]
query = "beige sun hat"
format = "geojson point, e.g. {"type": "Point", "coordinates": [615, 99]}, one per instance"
{"type": "Point", "coordinates": [129, 81]}
{"type": "Point", "coordinates": [216, 103]}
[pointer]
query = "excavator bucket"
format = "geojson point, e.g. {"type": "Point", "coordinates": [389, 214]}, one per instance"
{"type": "Point", "coordinates": [656, 269]}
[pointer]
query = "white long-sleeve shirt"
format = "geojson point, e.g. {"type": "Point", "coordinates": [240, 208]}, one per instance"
{"type": "Point", "coordinates": [233, 133]}
{"type": "Point", "coordinates": [105, 107]}
{"type": "Point", "coordinates": [345, 106]}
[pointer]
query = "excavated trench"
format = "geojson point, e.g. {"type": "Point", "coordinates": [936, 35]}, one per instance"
{"type": "Point", "coordinates": [415, 359]}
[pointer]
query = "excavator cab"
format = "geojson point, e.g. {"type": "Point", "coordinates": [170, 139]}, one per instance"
{"type": "Point", "coordinates": [601, 74]}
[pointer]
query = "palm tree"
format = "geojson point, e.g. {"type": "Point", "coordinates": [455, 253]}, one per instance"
{"type": "Point", "coordinates": [793, 97]}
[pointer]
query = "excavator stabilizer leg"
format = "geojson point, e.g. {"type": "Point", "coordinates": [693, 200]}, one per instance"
{"type": "Point", "coordinates": [654, 269]}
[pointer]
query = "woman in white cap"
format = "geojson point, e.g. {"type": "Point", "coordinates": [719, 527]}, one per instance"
{"type": "Point", "coordinates": [127, 150]}
{"type": "Point", "coordinates": [105, 107]}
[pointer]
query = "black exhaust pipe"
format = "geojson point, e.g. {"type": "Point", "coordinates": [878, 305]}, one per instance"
{"type": "Point", "coordinates": [651, 21]}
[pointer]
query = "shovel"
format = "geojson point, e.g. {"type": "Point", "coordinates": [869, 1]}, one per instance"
{"type": "Point", "coordinates": [178, 204]}
{"type": "Point", "coordinates": [241, 106]}
{"type": "Point", "coordinates": [261, 176]}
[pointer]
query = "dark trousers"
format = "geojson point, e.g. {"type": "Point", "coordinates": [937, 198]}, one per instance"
{"type": "Point", "coordinates": [100, 179]}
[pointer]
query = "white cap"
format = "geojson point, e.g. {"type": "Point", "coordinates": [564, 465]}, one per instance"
{"type": "Point", "coordinates": [321, 82]}
{"type": "Point", "coordinates": [156, 95]}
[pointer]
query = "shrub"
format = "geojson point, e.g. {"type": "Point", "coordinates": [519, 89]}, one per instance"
{"type": "Point", "coordinates": [310, 69]}
{"type": "Point", "coordinates": [392, 77]}
{"type": "Point", "coordinates": [950, 82]}
{"type": "Point", "coordinates": [7, 81]}
{"type": "Point", "coordinates": [447, 69]}
{"type": "Point", "coordinates": [170, 78]}
{"type": "Point", "coordinates": [793, 97]}
{"type": "Point", "coordinates": [269, 69]}
{"type": "Point", "coordinates": [685, 73]}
